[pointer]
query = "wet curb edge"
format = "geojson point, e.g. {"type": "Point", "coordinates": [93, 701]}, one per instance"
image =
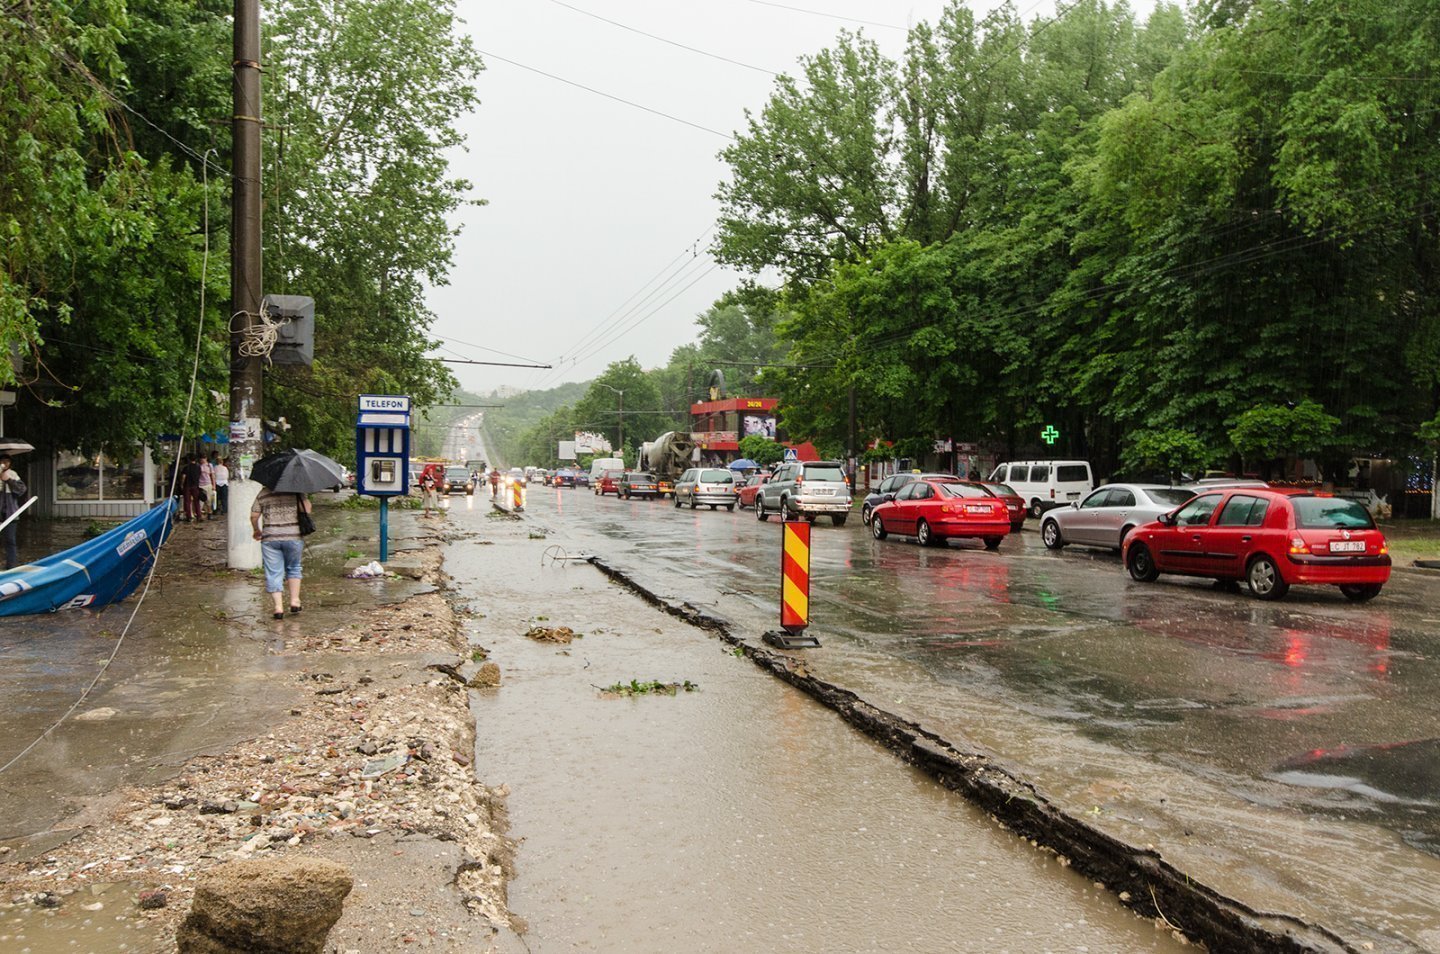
{"type": "Point", "coordinates": [1156, 889]}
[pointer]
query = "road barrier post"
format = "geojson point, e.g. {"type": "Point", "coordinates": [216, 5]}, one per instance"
{"type": "Point", "coordinates": [794, 589]}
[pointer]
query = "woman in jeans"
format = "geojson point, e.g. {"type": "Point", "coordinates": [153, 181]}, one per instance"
{"type": "Point", "coordinates": [275, 518]}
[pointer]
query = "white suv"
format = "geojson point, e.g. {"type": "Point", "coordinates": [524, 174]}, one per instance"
{"type": "Point", "coordinates": [806, 489]}
{"type": "Point", "coordinates": [1046, 484]}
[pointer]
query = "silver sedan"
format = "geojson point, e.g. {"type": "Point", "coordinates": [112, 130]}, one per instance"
{"type": "Point", "coordinates": [1109, 513]}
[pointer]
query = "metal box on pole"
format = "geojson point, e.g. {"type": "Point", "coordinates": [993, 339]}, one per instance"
{"type": "Point", "coordinates": [382, 454]}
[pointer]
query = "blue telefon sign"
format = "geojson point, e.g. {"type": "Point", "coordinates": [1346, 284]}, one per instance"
{"type": "Point", "coordinates": [382, 454]}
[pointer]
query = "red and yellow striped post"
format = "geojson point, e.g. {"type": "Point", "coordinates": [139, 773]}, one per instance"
{"type": "Point", "coordinates": [795, 577]}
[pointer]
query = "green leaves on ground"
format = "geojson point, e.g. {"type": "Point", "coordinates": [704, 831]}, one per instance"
{"type": "Point", "coordinates": [637, 688]}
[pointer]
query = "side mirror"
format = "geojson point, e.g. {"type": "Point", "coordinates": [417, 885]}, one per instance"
{"type": "Point", "coordinates": [1074, 505]}
{"type": "Point", "coordinates": [1168, 519]}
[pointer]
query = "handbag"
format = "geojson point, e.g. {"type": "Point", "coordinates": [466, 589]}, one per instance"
{"type": "Point", "coordinates": [307, 523]}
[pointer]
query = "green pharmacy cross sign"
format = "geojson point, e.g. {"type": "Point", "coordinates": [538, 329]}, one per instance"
{"type": "Point", "coordinates": [1050, 435]}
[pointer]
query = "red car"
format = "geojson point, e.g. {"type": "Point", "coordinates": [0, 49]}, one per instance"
{"type": "Point", "coordinates": [609, 483]}
{"type": "Point", "coordinates": [750, 488]}
{"type": "Point", "coordinates": [1013, 502]}
{"type": "Point", "coordinates": [933, 511]}
{"type": "Point", "coordinates": [1271, 539]}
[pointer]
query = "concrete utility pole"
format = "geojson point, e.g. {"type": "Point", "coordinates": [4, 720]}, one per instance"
{"type": "Point", "coordinates": [247, 441]}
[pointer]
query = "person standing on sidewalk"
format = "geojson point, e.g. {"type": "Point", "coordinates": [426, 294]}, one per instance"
{"type": "Point", "coordinates": [207, 486]}
{"type": "Point", "coordinates": [430, 488]}
{"type": "Point", "coordinates": [190, 484]}
{"type": "Point", "coordinates": [12, 494]}
{"type": "Point", "coordinates": [275, 520]}
{"type": "Point", "coordinates": [222, 483]}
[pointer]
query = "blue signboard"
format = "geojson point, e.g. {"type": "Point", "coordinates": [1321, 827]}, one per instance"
{"type": "Point", "coordinates": [382, 445]}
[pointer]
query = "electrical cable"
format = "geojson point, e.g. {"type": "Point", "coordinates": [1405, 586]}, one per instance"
{"type": "Point", "coordinates": [174, 480]}
{"type": "Point", "coordinates": [618, 99]}
{"type": "Point", "coordinates": [832, 16]}
{"type": "Point", "coordinates": [714, 56]}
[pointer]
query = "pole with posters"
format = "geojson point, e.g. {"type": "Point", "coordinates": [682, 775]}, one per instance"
{"type": "Point", "coordinates": [794, 589]}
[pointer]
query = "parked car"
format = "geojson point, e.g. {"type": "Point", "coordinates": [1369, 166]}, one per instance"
{"type": "Point", "coordinates": [1046, 484]}
{"type": "Point", "coordinates": [711, 486]}
{"type": "Point", "coordinates": [933, 511]}
{"type": "Point", "coordinates": [1271, 539]}
{"type": "Point", "coordinates": [636, 483]}
{"type": "Point", "coordinates": [457, 481]}
{"type": "Point", "coordinates": [1013, 502]}
{"type": "Point", "coordinates": [609, 483]}
{"type": "Point", "coordinates": [745, 494]}
{"type": "Point", "coordinates": [886, 490]}
{"type": "Point", "coordinates": [806, 489]}
{"type": "Point", "coordinates": [1106, 517]}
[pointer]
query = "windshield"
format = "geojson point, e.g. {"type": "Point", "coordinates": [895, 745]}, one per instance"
{"type": "Point", "coordinates": [1003, 490]}
{"type": "Point", "coordinates": [638, 476]}
{"type": "Point", "coordinates": [962, 490]}
{"type": "Point", "coordinates": [1326, 513]}
{"type": "Point", "coordinates": [1170, 496]}
{"type": "Point", "coordinates": [457, 473]}
{"type": "Point", "coordinates": [717, 477]}
{"type": "Point", "coordinates": [824, 472]}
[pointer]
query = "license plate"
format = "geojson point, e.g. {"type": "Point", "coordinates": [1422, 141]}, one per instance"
{"type": "Point", "coordinates": [976, 508]}
{"type": "Point", "coordinates": [824, 491]}
{"type": "Point", "coordinates": [1348, 546]}
{"type": "Point", "coordinates": [1073, 496]}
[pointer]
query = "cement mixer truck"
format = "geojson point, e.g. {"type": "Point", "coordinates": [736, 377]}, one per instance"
{"type": "Point", "coordinates": [667, 457]}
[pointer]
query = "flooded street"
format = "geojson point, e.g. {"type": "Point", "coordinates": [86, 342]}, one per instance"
{"type": "Point", "coordinates": [1279, 751]}
{"type": "Point", "coordinates": [741, 816]}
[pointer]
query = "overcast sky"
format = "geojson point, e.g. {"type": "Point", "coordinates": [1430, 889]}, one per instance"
{"type": "Point", "coordinates": [591, 199]}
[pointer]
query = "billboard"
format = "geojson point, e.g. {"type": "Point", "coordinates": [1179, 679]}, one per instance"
{"type": "Point", "coordinates": [761, 424]}
{"type": "Point", "coordinates": [588, 442]}
{"type": "Point", "coordinates": [566, 451]}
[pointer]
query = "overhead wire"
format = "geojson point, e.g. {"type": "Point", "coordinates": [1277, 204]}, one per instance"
{"type": "Point", "coordinates": [692, 49]}
{"type": "Point", "coordinates": [831, 16]}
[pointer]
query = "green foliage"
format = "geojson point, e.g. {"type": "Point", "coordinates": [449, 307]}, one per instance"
{"type": "Point", "coordinates": [637, 688]}
{"type": "Point", "coordinates": [762, 450]}
{"type": "Point", "coordinates": [1170, 451]}
{"type": "Point", "coordinates": [1270, 431]}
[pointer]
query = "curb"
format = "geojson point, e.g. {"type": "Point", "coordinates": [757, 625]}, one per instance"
{"type": "Point", "coordinates": [1145, 882]}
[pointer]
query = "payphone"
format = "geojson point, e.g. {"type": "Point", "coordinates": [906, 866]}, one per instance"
{"type": "Point", "coordinates": [382, 453]}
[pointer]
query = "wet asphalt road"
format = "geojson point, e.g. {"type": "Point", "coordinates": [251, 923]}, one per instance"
{"type": "Point", "coordinates": [1283, 752]}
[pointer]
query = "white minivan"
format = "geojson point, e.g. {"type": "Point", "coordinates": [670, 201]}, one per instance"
{"type": "Point", "coordinates": [599, 465]}
{"type": "Point", "coordinates": [1046, 484]}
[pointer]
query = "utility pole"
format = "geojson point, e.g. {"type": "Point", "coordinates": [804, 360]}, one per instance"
{"type": "Point", "coordinates": [247, 436]}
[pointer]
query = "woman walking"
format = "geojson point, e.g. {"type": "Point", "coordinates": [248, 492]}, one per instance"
{"type": "Point", "coordinates": [275, 518]}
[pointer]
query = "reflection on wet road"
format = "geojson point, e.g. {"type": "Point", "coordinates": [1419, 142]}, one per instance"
{"type": "Point", "coordinates": [1309, 708]}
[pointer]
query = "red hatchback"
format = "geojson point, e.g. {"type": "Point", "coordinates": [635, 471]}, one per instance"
{"type": "Point", "coordinates": [1271, 539]}
{"type": "Point", "coordinates": [933, 511]}
{"type": "Point", "coordinates": [609, 483]}
{"type": "Point", "coordinates": [750, 488]}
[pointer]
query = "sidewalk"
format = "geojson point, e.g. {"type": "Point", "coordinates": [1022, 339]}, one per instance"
{"type": "Point", "coordinates": [221, 734]}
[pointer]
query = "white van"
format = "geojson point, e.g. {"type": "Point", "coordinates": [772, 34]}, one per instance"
{"type": "Point", "coordinates": [599, 465]}
{"type": "Point", "coordinates": [1046, 484]}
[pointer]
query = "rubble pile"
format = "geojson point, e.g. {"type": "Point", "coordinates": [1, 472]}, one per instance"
{"type": "Point", "coordinates": [372, 745]}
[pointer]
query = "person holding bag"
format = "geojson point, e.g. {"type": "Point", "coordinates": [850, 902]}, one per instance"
{"type": "Point", "coordinates": [279, 521]}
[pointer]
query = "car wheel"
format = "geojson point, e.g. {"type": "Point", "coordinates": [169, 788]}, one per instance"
{"type": "Point", "coordinates": [760, 513]}
{"type": "Point", "coordinates": [839, 519]}
{"type": "Point", "coordinates": [1141, 564]}
{"type": "Point", "coordinates": [1036, 510]}
{"type": "Point", "coordinates": [1264, 579]}
{"type": "Point", "coordinates": [923, 536]}
{"type": "Point", "coordinates": [1360, 592]}
{"type": "Point", "coordinates": [677, 503]}
{"type": "Point", "coordinates": [877, 529]}
{"type": "Point", "coordinates": [1017, 526]}
{"type": "Point", "coordinates": [1124, 532]}
{"type": "Point", "coordinates": [1050, 533]}
{"type": "Point", "coordinates": [866, 514]}
{"type": "Point", "coordinates": [993, 543]}
{"type": "Point", "coordinates": [731, 508]}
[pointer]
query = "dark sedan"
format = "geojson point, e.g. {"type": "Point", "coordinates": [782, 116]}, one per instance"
{"type": "Point", "coordinates": [637, 483]}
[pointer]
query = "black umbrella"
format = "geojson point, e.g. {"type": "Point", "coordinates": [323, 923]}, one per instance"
{"type": "Point", "coordinates": [298, 472]}
{"type": "Point", "coordinates": [14, 445]}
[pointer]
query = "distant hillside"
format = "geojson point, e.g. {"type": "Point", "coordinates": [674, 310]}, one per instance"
{"type": "Point", "coordinates": [522, 411]}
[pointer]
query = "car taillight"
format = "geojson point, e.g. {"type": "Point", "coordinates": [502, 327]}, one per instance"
{"type": "Point", "coordinates": [1384, 547]}
{"type": "Point", "coordinates": [799, 481]}
{"type": "Point", "coordinates": [1052, 493]}
{"type": "Point", "coordinates": [1298, 545]}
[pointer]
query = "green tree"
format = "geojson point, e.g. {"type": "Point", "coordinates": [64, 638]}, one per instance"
{"type": "Point", "coordinates": [762, 450]}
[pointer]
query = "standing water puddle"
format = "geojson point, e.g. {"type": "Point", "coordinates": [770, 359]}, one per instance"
{"type": "Point", "coordinates": [743, 816]}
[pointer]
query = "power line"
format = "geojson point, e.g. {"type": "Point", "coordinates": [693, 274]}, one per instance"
{"type": "Point", "coordinates": [713, 56]}
{"type": "Point", "coordinates": [496, 364]}
{"type": "Point", "coordinates": [471, 344]}
{"type": "Point", "coordinates": [832, 16]}
{"type": "Point", "coordinates": [618, 99]}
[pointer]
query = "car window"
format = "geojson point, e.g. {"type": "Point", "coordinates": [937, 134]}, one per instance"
{"type": "Point", "coordinates": [908, 492]}
{"type": "Point", "coordinates": [717, 477]}
{"type": "Point", "coordinates": [1040, 474]}
{"type": "Point", "coordinates": [886, 485]}
{"type": "Point", "coordinates": [823, 472]}
{"type": "Point", "coordinates": [1197, 512]}
{"type": "Point", "coordinates": [1003, 490]}
{"type": "Point", "coordinates": [1169, 496]}
{"type": "Point", "coordinates": [1099, 498]}
{"type": "Point", "coordinates": [1073, 474]}
{"type": "Point", "coordinates": [998, 474]}
{"type": "Point", "coordinates": [1330, 513]}
{"type": "Point", "coordinates": [1120, 497]}
{"type": "Point", "coordinates": [1236, 512]}
{"type": "Point", "coordinates": [963, 490]}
